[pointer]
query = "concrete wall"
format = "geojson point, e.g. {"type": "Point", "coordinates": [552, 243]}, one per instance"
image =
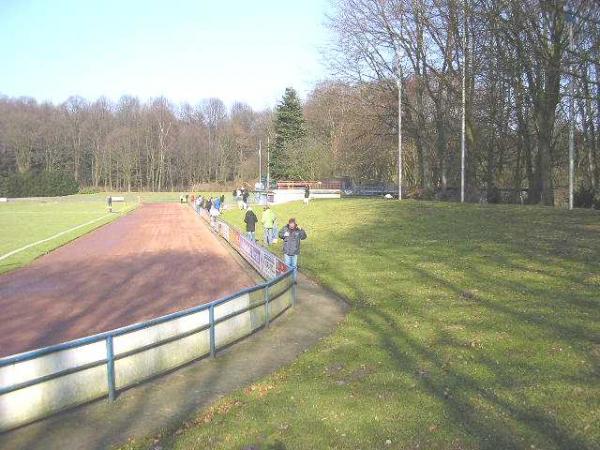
{"type": "Point", "coordinates": [140, 366]}
{"type": "Point", "coordinates": [290, 195]}
{"type": "Point", "coordinates": [27, 404]}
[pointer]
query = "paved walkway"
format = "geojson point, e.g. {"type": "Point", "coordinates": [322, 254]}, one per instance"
{"type": "Point", "coordinates": [171, 399]}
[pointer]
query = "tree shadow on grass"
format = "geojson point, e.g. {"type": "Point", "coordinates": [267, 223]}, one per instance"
{"type": "Point", "coordinates": [565, 314]}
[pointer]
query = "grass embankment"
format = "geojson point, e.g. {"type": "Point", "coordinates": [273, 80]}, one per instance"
{"type": "Point", "coordinates": [473, 327]}
{"type": "Point", "coordinates": [27, 221]}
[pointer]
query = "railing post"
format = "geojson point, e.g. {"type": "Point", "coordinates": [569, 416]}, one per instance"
{"type": "Point", "coordinates": [211, 319]}
{"type": "Point", "coordinates": [110, 368]}
{"type": "Point", "coordinates": [267, 305]}
{"type": "Point", "coordinates": [294, 287]}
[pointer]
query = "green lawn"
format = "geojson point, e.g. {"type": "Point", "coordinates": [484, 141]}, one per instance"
{"type": "Point", "coordinates": [25, 222]}
{"type": "Point", "coordinates": [471, 328]}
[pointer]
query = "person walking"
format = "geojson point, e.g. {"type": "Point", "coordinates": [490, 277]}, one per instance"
{"type": "Point", "coordinates": [292, 234]}
{"type": "Point", "coordinates": [214, 213]}
{"type": "Point", "coordinates": [268, 221]}
{"type": "Point", "coordinates": [306, 194]}
{"type": "Point", "coordinates": [238, 197]}
{"type": "Point", "coordinates": [245, 196]}
{"type": "Point", "coordinates": [250, 220]}
{"type": "Point", "coordinates": [217, 203]}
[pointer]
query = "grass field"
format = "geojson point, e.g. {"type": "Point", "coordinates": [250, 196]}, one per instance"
{"type": "Point", "coordinates": [23, 222]}
{"type": "Point", "coordinates": [472, 328]}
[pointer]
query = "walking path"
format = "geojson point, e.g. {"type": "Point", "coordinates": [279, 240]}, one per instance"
{"type": "Point", "coordinates": [169, 400]}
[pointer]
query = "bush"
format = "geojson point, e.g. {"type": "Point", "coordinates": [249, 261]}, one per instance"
{"type": "Point", "coordinates": [90, 190]}
{"type": "Point", "coordinates": [493, 195]}
{"type": "Point", "coordinates": [421, 194]}
{"type": "Point", "coordinates": [583, 197]}
{"type": "Point", "coordinates": [40, 184]}
{"type": "Point", "coordinates": [596, 202]}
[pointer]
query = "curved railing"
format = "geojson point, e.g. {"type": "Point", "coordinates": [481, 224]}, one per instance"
{"type": "Point", "coordinates": [38, 383]}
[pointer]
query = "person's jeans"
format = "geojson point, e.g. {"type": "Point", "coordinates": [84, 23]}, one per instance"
{"type": "Point", "coordinates": [292, 262]}
{"type": "Point", "coordinates": [252, 236]}
{"type": "Point", "coordinates": [269, 236]}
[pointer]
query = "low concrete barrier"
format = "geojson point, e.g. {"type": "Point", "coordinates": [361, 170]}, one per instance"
{"type": "Point", "coordinates": [290, 195]}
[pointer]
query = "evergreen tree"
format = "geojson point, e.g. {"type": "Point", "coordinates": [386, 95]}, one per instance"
{"type": "Point", "coordinates": [289, 129]}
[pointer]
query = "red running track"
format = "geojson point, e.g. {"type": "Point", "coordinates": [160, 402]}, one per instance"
{"type": "Point", "coordinates": [157, 260]}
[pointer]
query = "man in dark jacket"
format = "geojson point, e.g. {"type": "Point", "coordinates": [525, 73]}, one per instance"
{"type": "Point", "coordinates": [250, 219]}
{"type": "Point", "coordinates": [306, 194]}
{"type": "Point", "coordinates": [292, 234]}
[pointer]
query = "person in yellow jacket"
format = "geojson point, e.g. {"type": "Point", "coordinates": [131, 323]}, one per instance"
{"type": "Point", "coordinates": [268, 221]}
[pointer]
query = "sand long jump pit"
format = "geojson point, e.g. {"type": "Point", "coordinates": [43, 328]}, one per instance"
{"type": "Point", "coordinates": [157, 260]}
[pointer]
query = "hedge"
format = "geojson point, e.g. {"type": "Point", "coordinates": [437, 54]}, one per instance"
{"type": "Point", "coordinates": [40, 184]}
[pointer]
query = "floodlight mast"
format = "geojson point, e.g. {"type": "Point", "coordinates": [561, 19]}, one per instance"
{"type": "Point", "coordinates": [399, 83]}
{"type": "Point", "coordinates": [570, 19]}
{"type": "Point", "coordinates": [260, 161]}
{"type": "Point", "coordinates": [464, 107]}
{"type": "Point", "coordinates": [268, 163]}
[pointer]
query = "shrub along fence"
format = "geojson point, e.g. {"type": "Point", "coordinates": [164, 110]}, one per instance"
{"type": "Point", "coordinates": [38, 184]}
{"type": "Point", "coordinates": [41, 382]}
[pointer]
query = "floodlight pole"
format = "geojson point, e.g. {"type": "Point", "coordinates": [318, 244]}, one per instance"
{"type": "Point", "coordinates": [571, 114]}
{"type": "Point", "coordinates": [399, 82]}
{"type": "Point", "coordinates": [268, 163]}
{"type": "Point", "coordinates": [260, 161]}
{"type": "Point", "coordinates": [464, 107]}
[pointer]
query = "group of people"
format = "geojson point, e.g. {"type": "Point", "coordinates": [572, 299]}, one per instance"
{"type": "Point", "coordinates": [269, 223]}
{"type": "Point", "coordinates": [209, 203]}
{"type": "Point", "coordinates": [241, 195]}
{"type": "Point", "coordinates": [212, 205]}
{"type": "Point", "coordinates": [291, 234]}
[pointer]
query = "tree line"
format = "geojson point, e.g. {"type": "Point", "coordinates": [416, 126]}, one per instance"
{"type": "Point", "coordinates": [130, 145]}
{"type": "Point", "coordinates": [518, 66]}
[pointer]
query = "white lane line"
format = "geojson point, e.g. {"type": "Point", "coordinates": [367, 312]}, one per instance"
{"type": "Point", "coordinates": [52, 237]}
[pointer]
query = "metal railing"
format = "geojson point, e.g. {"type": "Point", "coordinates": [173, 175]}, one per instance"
{"type": "Point", "coordinates": [40, 382]}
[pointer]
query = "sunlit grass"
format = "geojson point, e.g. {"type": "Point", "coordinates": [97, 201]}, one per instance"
{"type": "Point", "coordinates": [472, 327]}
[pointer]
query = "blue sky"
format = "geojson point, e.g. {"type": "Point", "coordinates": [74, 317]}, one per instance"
{"type": "Point", "coordinates": [185, 50]}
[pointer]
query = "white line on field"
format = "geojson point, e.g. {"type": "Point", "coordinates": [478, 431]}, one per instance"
{"type": "Point", "coordinates": [52, 237]}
